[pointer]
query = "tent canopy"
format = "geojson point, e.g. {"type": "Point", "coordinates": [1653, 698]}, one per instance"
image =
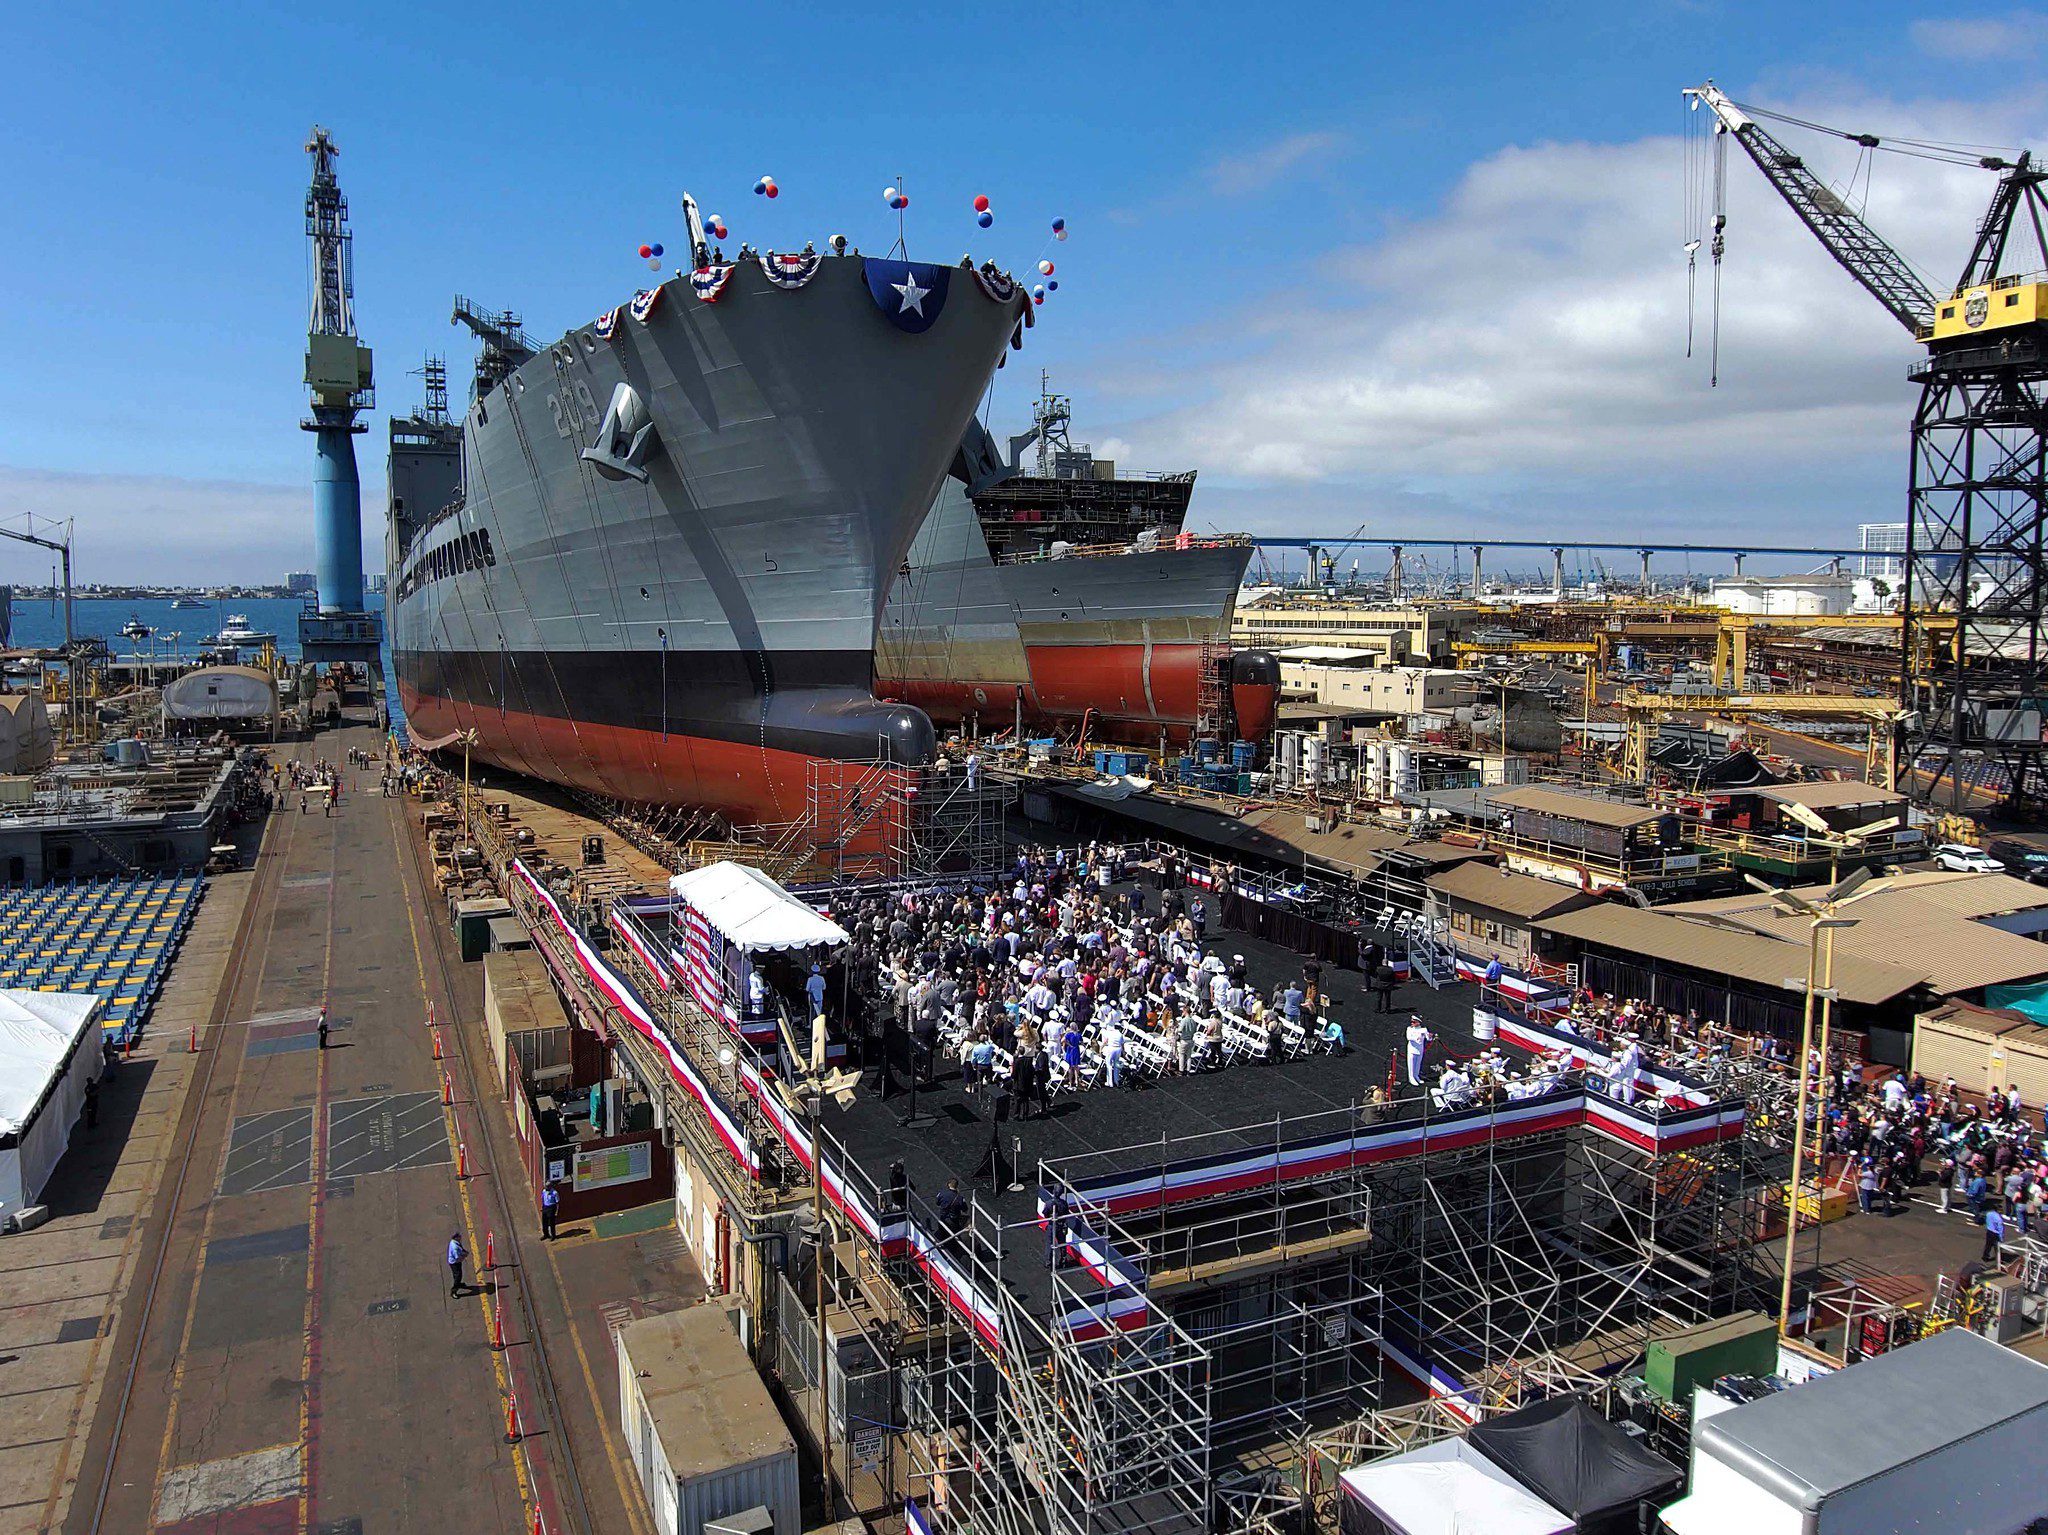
{"type": "Point", "coordinates": [754, 912]}
{"type": "Point", "coordinates": [1571, 1457]}
{"type": "Point", "coordinates": [37, 1029]}
{"type": "Point", "coordinates": [1447, 1488]}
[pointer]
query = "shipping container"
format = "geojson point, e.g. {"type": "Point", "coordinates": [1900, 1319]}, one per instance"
{"type": "Point", "coordinates": [699, 1426]}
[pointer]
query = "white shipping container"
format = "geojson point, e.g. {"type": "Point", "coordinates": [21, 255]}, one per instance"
{"type": "Point", "coordinates": [698, 1423]}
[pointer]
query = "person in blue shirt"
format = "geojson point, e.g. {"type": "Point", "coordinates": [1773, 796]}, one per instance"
{"type": "Point", "coordinates": [1994, 1233]}
{"type": "Point", "coordinates": [814, 988]}
{"type": "Point", "coordinates": [456, 1254]}
{"type": "Point", "coordinates": [550, 1210]}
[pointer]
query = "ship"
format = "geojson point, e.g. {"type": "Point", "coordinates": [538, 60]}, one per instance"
{"type": "Point", "coordinates": [1071, 597]}
{"type": "Point", "coordinates": [650, 559]}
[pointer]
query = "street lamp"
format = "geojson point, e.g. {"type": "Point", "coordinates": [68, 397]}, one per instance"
{"type": "Point", "coordinates": [1821, 922]}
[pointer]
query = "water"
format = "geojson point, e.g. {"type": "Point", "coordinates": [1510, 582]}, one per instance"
{"type": "Point", "coordinates": [39, 623]}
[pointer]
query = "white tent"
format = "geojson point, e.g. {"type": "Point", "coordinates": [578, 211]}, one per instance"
{"type": "Point", "coordinates": [1446, 1488]}
{"type": "Point", "coordinates": [49, 1050]}
{"type": "Point", "coordinates": [752, 911]}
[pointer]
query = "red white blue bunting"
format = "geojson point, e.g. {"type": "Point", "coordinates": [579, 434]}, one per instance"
{"type": "Point", "coordinates": [644, 304]}
{"type": "Point", "coordinates": [606, 324]}
{"type": "Point", "coordinates": [998, 285]}
{"type": "Point", "coordinates": [790, 271]}
{"type": "Point", "coordinates": [707, 282]}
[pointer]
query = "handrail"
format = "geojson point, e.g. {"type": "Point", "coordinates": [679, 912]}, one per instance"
{"type": "Point", "coordinates": [1180, 543]}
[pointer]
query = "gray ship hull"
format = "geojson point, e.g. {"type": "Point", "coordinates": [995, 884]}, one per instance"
{"type": "Point", "coordinates": [672, 597]}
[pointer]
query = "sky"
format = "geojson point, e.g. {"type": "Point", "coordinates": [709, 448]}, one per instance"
{"type": "Point", "coordinates": [1386, 270]}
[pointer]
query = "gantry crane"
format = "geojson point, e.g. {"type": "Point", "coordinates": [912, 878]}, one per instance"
{"type": "Point", "coordinates": [338, 374]}
{"type": "Point", "coordinates": [1979, 473]}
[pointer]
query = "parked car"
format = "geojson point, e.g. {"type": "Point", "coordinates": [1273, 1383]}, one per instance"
{"type": "Point", "coordinates": [2029, 863]}
{"type": "Point", "coordinates": [1961, 858]}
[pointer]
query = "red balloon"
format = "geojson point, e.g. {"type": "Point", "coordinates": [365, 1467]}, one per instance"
{"type": "Point", "coordinates": [981, 205]}
{"type": "Point", "coordinates": [646, 250]}
{"type": "Point", "coordinates": [773, 190]}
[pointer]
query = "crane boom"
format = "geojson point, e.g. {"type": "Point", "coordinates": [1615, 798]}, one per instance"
{"type": "Point", "coordinates": [1859, 250]}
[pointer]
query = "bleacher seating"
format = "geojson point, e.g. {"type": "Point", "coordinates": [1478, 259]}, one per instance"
{"type": "Point", "coordinates": [116, 937]}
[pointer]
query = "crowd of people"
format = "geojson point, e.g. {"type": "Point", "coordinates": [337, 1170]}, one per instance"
{"type": "Point", "coordinates": [1887, 1140]}
{"type": "Point", "coordinates": [1062, 976]}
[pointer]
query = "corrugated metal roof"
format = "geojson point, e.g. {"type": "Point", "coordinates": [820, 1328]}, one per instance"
{"type": "Point", "coordinates": [1732, 950]}
{"type": "Point", "coordinates": [1853, 1426]}
{"type": "Point", "coordinates": [1519, 895]}
{"type": "Point", "coordinates": [1931, 918]}
{"type": "Point", "coordinates": [1831, 796]}
{"type": "Point", "coordinates": [1593, 808]}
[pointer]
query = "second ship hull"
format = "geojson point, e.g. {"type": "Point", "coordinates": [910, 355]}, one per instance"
{"type": "Point", "coordinates": [1117, 640]}
{"type": "Point", "coordinates": [702, 633]}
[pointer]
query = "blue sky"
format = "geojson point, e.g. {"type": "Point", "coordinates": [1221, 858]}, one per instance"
{"type": "Point", "coordinates": [1265, 208]}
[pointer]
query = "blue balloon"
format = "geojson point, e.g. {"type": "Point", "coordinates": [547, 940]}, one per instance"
{"type": "Point", "coordinates": [657, 250]}
{"type": "Point", "coordinates": [1053, 286]}
{"type": "Point", "coordinates": [1058, 225]}
{"type": "Point", "coordinates": [1038, 291]}
{"type": "Point", "coordinates": [760, 189]}
{"type": "Point", "coordinates": [985, 219]}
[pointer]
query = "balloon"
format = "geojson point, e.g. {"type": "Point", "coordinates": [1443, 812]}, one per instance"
{"type": "Point", "coordinates": [1059, 234]}
{"type": "Point", "coordinates": [984, 219]}
{"type": "Point", "coordinates": [774, 190]}
{"type": "Point", "coordinates": [646, 250]}
{"type": "Point", "coordinates": [981, 205]}
{"type": "Point", "coordinates": [1059, 226]}
{"type": "Point", "coordinates": [719, 232]}
{"type": "Point", "coordinates": [1045, 267]}
{"type": "Point", "coordinates": [1054, 285]}
{"type": "Point", "coordinates": [902, 200]}
{"type": "Point", "coordinates": [654, 263]}
{"type": "Point", "coordinates": [1038, 292]}
{"type": "Point", "coordinates": [657, 250]}
{"type": "Point", "coordinates": [889, 196]}
{"type": "Point", "coordinates": [1038, 298]}
{"type": "Point", "coordinates": [760, 188]}
{"type": "Point", "coordinates": [713, 222]}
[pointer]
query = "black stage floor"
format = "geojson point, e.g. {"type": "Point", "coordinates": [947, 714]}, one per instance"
{"type": "Point", "coordinates": [954, 1140]}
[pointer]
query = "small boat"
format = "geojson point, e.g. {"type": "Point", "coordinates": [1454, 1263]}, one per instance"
{"type": "Point", "coordinates": [237, 632]}
{"type": "Point", "coordinates": [135, 629]}
{"type": "Point", "coordinates": [187, 602]}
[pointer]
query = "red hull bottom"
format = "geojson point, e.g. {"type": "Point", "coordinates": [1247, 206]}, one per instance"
{"type": "Point", "coordinates": [747, 784]}
{"type": "Point", "coordinates": [1133, 693]}
{"type": "Point", "coordinates": [1130, 693]}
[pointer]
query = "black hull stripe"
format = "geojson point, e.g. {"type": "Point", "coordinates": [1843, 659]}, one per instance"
{"type": "Point", "coordinates": [818, 703]}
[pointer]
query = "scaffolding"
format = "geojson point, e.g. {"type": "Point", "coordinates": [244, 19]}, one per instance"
{"type": "Point", "coordinates": [1489, 1274]}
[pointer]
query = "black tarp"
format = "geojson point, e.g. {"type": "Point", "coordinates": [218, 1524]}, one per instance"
{"type": "Point", "coordinates": [1577, 1462]}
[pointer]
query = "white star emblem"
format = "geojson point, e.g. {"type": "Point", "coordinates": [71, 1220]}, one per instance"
{"type": "Point", "coordinates": [913, 295]}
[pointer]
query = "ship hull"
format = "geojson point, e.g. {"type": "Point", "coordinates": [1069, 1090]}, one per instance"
{"type": "Point", "coordinates": [691, 622]}
{"type": "Point", "coordinates": [1118, 640]}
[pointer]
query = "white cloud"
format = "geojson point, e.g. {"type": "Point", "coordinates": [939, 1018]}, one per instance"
{"type": "Point", "coordinates": [1980, 39]}
{"type": "Point", "coordinates": [1255, 169]}
{"type": "Point", "coordinates": [160, 528]}
{"type": "Point", "coordinates": [1522, 349]}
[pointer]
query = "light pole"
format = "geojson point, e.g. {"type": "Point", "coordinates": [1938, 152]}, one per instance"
{"type": "Point", "coordinates": [1821, 918]}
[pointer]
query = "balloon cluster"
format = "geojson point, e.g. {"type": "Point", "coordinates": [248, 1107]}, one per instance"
{"type": "Point", "coordinates": [651, 254]}
{"type": "Point", "coordinates": [983, 214]}
{"type": "Point", "coordinates": [896, 198]}
{"type": "Point", "coordinates": [1059, 229]}
{"type": "Point", "coordinates": [715, 227]}
{"type": "Point", "coordinates": [1038, 294]}
{"type": "Point", "coordinates": [766, 187]}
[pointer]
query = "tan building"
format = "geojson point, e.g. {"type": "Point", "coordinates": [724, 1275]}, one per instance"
{"type": "Point", "coordinates": [1377, 690]}
{"type": "Point", "coordinates": [1398, 635]}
